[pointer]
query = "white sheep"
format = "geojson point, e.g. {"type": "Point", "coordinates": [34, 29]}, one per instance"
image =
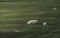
{"type": "Point", "coordinates": [54, 8]}
{"type": "Point", "coordinates": [32, 22]}
{"type": "Point", "coordinates": [45, 26]}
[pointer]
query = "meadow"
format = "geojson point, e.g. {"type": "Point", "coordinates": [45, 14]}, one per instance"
{"type": "Point", "coordinates": [14, 17]}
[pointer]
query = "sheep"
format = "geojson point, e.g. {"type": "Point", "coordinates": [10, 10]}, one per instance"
{"type": "Point", "coordinates": [45, 26]}
{"type": "Point", "coordinates": [32, 22]}
{"type": "Point", "coordinates": [54, 8]}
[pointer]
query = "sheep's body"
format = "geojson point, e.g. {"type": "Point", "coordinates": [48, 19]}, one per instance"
{"type": "Point", "coordinates": [32, 22]}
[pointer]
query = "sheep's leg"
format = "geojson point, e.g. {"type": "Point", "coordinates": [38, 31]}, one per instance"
{"type": "Point", "coordinates": [45, 28]}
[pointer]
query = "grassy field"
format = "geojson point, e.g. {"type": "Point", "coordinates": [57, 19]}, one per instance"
{"type": "Point", "coordinates": [14, 16]}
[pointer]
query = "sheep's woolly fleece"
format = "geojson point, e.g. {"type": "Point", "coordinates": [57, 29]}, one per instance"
{"type": "Point", "coordinates": [32, 22]}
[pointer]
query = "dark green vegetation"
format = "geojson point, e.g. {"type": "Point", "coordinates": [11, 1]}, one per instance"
{"type": "Point", "coordinates": [14, 15]}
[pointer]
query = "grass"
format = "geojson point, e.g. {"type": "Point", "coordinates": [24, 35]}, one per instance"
{"type": "Point", "coordinates": [14, 15]}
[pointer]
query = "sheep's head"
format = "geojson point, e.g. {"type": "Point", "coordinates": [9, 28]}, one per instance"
{"type": "Point", "coordinates": [44, 23]}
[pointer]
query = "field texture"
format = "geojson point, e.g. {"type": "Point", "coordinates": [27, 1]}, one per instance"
{"type": "Point", "coordinates": [14, 17]}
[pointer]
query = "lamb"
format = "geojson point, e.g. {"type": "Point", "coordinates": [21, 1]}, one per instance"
{"type": "Point", "coordinates": [45, 26]}
{"type": "Point", "coordinates": [36, 22]}
{"type": "Point", "coordinates": [54, 8]}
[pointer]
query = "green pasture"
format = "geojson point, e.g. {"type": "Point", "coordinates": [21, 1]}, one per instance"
{"type": "Point", "coordinates": [14, 17]}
